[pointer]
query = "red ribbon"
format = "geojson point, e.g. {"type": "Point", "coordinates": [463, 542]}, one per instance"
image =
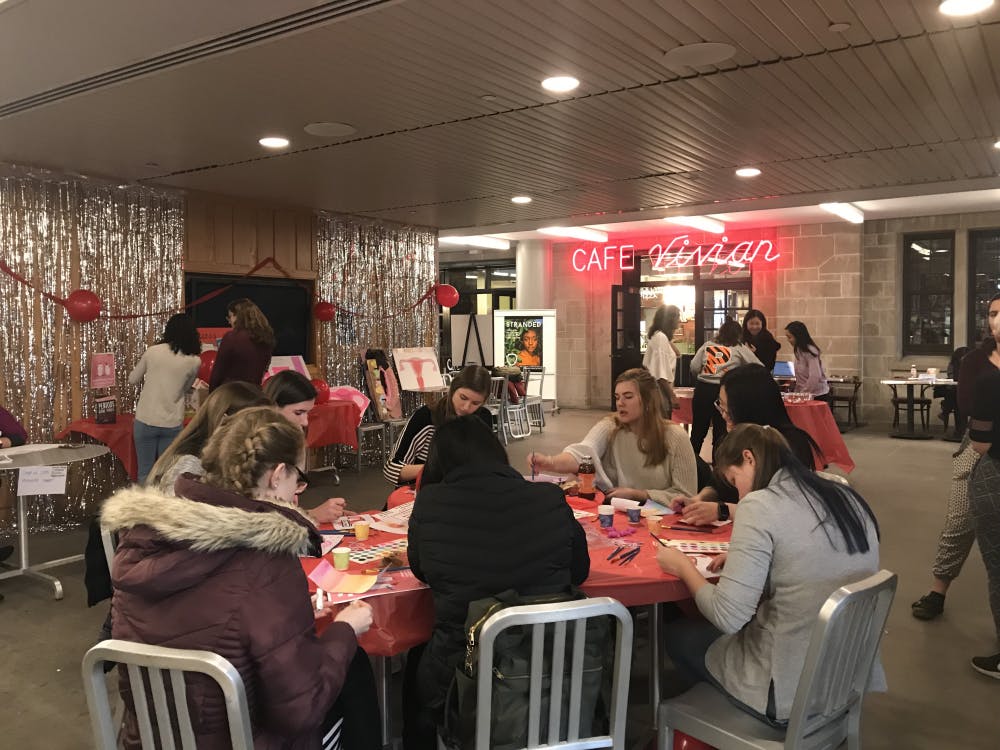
{"type": "Point", "coordinates": [205, 297]}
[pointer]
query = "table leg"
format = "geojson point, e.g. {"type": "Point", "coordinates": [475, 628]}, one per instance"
{"type": "Point", "coordinates": [383, 674]}
{"type": "Point", "coordinates": [654, 660]}
{"type": "Point", "coordinates": [25, 567]}
{"type": "Point", "coordinates": [910, 433]}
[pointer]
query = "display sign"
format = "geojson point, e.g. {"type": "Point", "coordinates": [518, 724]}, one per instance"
{"type": "Point", "coordinates": [679, 252]}
{"type": "Point", "coordinates": [41, 480]}
{"type": "Point", "coordinates": [102, 370]}
{"type": "Point", "coordinates": [522, 341]}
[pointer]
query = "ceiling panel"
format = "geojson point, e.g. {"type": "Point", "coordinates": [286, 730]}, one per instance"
{"type": "Point", "coordinates": [904, 97]}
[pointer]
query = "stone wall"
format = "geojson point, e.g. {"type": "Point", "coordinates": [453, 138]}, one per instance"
{"type": "Point", "coordinates": [882, 297]}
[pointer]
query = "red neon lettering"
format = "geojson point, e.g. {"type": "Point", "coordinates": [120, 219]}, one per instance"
{"type": "Point", "coordinates": [595, 260]}
{"type": "Point", "coordinates": [576, 252]}
{"type": "Point", "coordinates": [678, 253]}
{"type": "Point", "coordinates": [626, 259]}
{"type": "Point", "coordinates": [608, 255]}
{"type": "Point", "coordinates": [767, 253]}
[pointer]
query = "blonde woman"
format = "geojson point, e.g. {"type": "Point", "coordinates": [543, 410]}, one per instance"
{"type": "Point", "coordinates": [638, 455]}
{"type": "Point", "coordinates": [216, 568]}
{"type": "Point", "coordinates": [244, 352]}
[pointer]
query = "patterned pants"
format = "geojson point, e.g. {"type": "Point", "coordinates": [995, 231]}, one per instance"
{"type": "Point", "coordinates": [958, 533]}
{"type": "Point", "coordinates": [984, 503]}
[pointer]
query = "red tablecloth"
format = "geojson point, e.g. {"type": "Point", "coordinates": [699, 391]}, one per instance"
{"type": "Point", "coordinates": [814, 417]}
{"type": "Point", "coordinates": [405, 619]}
{"type": "Point", "coordinates": [117, 436]}
{"type": "Point", "coordinates": [333, 423]}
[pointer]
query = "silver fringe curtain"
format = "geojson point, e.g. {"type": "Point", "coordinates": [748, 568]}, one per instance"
{"type": "Point", "coordinates": [374, 273]}
{"type": "Point", "coordinates": [125, 244]}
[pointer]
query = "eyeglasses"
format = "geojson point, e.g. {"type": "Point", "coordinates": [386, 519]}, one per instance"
{"type": "Point", "coordinates": [302, 481]}
{"type": "Point", "coordinates": [722, 409]}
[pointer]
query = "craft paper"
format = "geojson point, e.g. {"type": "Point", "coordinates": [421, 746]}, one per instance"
{"type": "Point", "coordinates": [334, 581]}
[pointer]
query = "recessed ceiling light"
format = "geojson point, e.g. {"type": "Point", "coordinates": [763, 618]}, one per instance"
{"type": "Point", "coordinates": [697, 55]}
{"type": "Point", "coordinates": [996, 145]}
{"type": "Point", "coordinates": [560, 84]}
{"type": "Point", "coordinates": [330, 129]}
{"type": "Point", "coordinates": [489, 97]}
{"type": "Point", "coordinates": [704, 223]}
{"type": "Point", "coordinates": [489, 243]}
{"type": "Point", "coordinates": [963, 7]}
{"type": "Point", "coordinates": [747, 172]}
{"type": "Point", "coordinates": [521, 199]}
{"type": "Point", "coordinates": [838, 27]}
{"type": "Point", "coordinates": [577, 233]}
{"type": "Point", "coordinates": [845, 211]}
{"type": "Point", "coordinates": [273, 141]}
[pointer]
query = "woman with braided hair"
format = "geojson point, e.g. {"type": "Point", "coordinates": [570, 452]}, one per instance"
{"type": "Point", "coordinates": [216, 568]}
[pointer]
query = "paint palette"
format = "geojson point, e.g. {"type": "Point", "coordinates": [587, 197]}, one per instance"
{"type": "Point", "coordinates": [698, 547]}
{"type": "Point", "coordinates": [378, 551]}
{"type": "Point", "coordinates": [398, 516]}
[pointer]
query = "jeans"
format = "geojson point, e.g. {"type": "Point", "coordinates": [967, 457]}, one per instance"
{"type": "Point", "coordinates": [686, 642]}
{"type": "Point", "coordinates": [150, 443]}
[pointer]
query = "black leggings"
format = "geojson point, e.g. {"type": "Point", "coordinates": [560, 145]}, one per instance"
{"type": "Point", "coordinates": [358, 705]}
{"type": "Point", "coordinates": [704, 413]}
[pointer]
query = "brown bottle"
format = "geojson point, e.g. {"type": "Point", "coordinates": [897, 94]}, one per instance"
{"type": "Point", "coordinates": [585, 474]}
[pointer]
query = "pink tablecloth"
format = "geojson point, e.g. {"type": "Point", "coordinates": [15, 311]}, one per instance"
{"type": "Point", "coordinates": [117, 436]}
{"type": "Point", "coordinates": [333, 423]}
{"type": "Point", "coordinates": [814, 417]}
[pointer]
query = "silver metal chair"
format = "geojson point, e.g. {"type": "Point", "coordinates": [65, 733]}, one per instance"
{"type": "Point", "coordinates": [827, 706]}
{"type": "Point", "coordinates": [171, 718]}
{"type": "Point", "coordinates": [558, 616]}
{"type": "Point", "coordinates": [495, 402]}
{"type": "Point", "coordinates": [516, 420]}
{"type": "Point", "coordinates": [533, 401]}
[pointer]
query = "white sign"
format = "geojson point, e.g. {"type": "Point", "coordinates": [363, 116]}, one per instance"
{"type": "Point", "coordinates": [41, 480]}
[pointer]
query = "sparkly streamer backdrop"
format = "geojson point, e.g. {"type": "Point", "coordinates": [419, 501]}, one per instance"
{"type": "Point", "coordinates": [124, 244]}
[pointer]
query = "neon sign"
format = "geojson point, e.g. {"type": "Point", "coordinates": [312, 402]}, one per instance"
{"type": "Point", "coordinates": [678, 253]}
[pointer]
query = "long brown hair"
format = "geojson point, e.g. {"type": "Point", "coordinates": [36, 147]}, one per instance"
{"type": "Point", "coordinates": [248, 444]}
{"type": "Point", "coordinates": [225, 400]}
{"type": "Point", "coordinates": [252, 320]}
{"type": "Point", "coordinates": [473, 377]}
{"type": "Point", "coordinates": [651, 433]}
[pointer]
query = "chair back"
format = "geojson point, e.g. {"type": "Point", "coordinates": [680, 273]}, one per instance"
{"type": "Point", "coordinates": [109, 544]}
{"type": "Point", "coordinates": [838, 666]}
{"type": "Point", "coordinates": [171, 719]}
{"type": "Point", "coordinates": [552, 651]}
{"type": "Point", "coordinates": [533, 375]}
{"type": "Point", "coordinates": [498, 392]}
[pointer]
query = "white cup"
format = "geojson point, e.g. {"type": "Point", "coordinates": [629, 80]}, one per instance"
{"type": "Point", "coordinates": [932, 371]}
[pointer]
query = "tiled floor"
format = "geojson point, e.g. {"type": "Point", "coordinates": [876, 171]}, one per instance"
{"type": "Point", "coordinates": [935, 700]}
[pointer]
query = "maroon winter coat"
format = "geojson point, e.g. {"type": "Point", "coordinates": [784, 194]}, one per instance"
{"type": "Point", "coordinates": [216, 571]}
{"type": "Point", "coordinates": [239, 358]}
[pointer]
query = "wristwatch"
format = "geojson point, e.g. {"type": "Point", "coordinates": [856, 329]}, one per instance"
{"type": "Point", "coordinates": [723, 512]}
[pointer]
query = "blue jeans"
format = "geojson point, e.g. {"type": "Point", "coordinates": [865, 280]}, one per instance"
{"type": "Point", "coordinates": [150, 443]}
{"type": "Point", "coordinates": [686, 641]}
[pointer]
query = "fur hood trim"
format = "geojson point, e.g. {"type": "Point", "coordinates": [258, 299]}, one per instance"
{"type": "Point", "coordinates": [204, 527]}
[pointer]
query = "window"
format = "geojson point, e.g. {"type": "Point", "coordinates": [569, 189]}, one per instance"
{"type": "Point", "coordinates": [984, 279]}
{"type": "Point", "coordinates": [928, 293]}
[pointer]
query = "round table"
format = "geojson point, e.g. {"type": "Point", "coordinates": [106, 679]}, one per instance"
{"type": "Point", "coordinates": [41, 455]}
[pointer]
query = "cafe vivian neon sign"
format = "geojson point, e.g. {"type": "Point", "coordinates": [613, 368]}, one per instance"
{"type": "Point", "coordinates": [678, 253]}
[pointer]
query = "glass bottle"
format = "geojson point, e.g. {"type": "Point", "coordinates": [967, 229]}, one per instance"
{"type": "Point", "coordinates": [585, 474]}
{"type": "Point", "coordinates": [913, 371]}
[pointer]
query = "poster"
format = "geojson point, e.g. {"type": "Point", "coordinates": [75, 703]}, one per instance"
{"type": "Point", "coordinates": [102, 371]}
{"type": "Point", "coordinates": [522, 341]}
{"type": "Point", "coordinates": [418, 369]}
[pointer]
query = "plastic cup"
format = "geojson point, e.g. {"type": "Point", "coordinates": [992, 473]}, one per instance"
{"type": "Point", "coordinates": [634, 514]}
{"type": "Point", "coordinates": [653, 524]}
{"type": "Point", "coordinates": [361, 530]}
{"type": "Point", "coordinates": [341, 558]}
{"type": "Point", "coordinates": [606, 516]}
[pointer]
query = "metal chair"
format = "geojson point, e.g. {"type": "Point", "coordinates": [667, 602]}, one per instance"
{"type": "Point", "coordinates": [516, 420]}
{"type": "Point", "coordinates": [557, 616]}
{"type": "Point", "coordinates": [495, 402]}
{"type": "Point", "coordinates": [533, 401]}
{"type": "Point", "coordinates": [827, 706]}
{"type": "Point", "coordinates": [171, 717]}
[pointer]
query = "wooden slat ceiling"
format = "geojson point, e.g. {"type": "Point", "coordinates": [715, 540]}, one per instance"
{"type": "Point", "coordinates": [904, 97]}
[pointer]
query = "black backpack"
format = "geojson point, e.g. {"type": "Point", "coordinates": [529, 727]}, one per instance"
{"type": "Point", "coordinates": [511, 676]}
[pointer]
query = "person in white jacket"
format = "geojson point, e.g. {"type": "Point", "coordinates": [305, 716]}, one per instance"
{"type": "Point", "coordinates": [167, 371]}
{"type": "Point", "coordinates": [713, 360]}
{"type": "Point", "coordinates": [661, 355]}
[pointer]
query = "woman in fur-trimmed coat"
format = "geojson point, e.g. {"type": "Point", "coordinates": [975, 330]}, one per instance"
{"type": "Point", "coordinates": [216, 569]}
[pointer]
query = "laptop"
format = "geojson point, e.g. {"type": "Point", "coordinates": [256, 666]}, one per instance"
{"type": "Point", "coordinates": [784, 370]}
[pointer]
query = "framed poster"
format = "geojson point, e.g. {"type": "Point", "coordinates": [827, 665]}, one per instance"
{"type": "Point", "coordinates": [418, 369]}
{"type": "Point", "coordinates": [102, 370]}
{"type": "Point", "coordinates": [522, 341]}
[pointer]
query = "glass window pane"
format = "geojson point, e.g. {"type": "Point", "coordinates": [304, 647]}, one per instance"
{"type": "Point", "coordinates": [984, 282]}
{"type": "Point", "coordinates": [928, 293]}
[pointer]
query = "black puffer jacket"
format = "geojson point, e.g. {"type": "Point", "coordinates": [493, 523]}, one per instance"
{"type": "Point", "coordinates": [483, 530]}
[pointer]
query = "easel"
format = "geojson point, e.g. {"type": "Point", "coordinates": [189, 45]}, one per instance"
{"type": "Point", "coordinates": [479, 342]}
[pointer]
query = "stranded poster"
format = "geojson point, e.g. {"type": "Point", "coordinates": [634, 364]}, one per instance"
{"type": "Point", "coordinates": [522, 341]}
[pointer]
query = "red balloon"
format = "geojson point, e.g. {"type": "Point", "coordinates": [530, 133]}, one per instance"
{"type": "Point", "coordinates": [324, 311]}
{"type": "Point", "coordinates": [686, 742]}
{"type": "Point", "coordinates": [83, 305]}
{"type": "Point", "coordinates": [207, 363]}
{"type": "Point", "coordinates": [322, 390]}
{"type": "Point", "coordinates": [446, 295]}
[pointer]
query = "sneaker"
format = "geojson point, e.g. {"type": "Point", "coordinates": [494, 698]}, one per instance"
{"type": "Point", "coordinates": [987, 665]}
{"type": "Point", "coordinates": [928, 606]}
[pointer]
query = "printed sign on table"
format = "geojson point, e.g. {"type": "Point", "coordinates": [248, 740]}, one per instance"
{"type": "Point", "coordinates": [41, 480]}
{"type": "Point", "coordinates": [102, 370]}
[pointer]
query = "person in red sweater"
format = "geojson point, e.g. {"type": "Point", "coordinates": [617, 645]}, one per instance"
{"type": "Point", "coordinates": [11, 433]}
{"type": "Point", "coordinates": [244, 352]}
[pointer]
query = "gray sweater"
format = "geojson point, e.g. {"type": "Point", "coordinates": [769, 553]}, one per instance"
{"type": "Point", "coordinates": [713, 360]}
{"type": "Point", "coordinates": [781, 568]}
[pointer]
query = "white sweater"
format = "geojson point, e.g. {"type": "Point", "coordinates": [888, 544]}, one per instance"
{"type": "Point", "coordinates": [165, 378]}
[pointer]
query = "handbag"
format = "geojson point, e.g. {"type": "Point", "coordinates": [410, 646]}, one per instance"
{"type": "Point", "coordinates": [512, 676]}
